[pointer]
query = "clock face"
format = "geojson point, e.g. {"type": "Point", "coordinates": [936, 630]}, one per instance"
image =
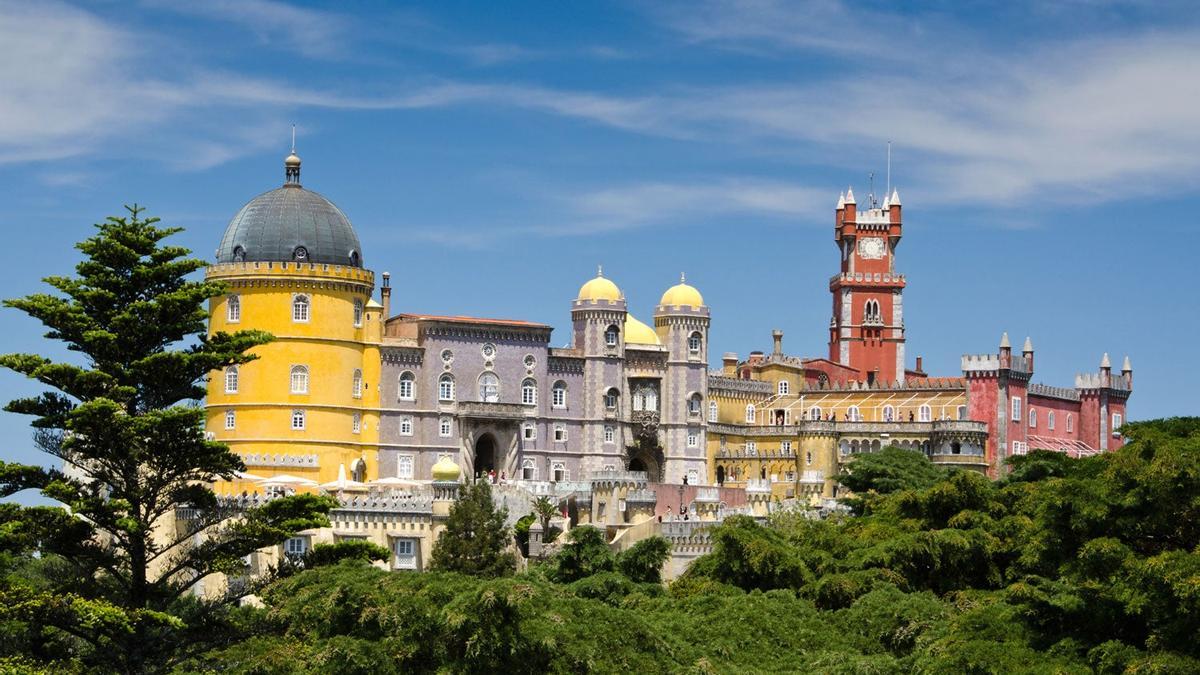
{"type": "Point", "coordinates": [872, 248]}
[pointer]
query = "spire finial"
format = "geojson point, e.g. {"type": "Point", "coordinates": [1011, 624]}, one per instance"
{"type": "Point", "coordinates": [599, 270]}
{"type": "Point", "coordinates": [1004, 343]}
{"type": "Point", "coordinates": [682, 278]}
{"type": "Point", "coordinates": [293, 139]}
{"type": "Point", "coordinates": [1126, 367]}
{"type": "Point", "coordinates": [291, 165]}
{"type": "Point", "coordinates": [1104, 362]}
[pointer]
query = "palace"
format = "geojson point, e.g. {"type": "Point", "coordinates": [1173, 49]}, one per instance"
{"type": "Point", "coordinates": [625, 426]}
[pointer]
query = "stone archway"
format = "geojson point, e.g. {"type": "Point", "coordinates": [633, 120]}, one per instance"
{"type": "Point", "coordinates": [485, 455]}
{"type": "Point", "coordinates": [648, 458]}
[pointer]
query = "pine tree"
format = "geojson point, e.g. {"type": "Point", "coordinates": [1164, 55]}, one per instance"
{"type": "Point", "coordinates": [476, 540]}
{"type": "Point", "coordinates": [124, 421]}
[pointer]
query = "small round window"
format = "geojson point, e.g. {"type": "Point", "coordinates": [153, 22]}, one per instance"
{"type": "Point", "coordinates": [300, 253]}
{"type": "Point", "coordinates": [447, 356]}
{"type": "Point", "coordinates": [530, 361]}
{"type": "Point", "coordinates": [239, 254]}
{"type": "Point", "coordinates": [489, 350]}
{"type": "Point", "coordinates": [354, 258]}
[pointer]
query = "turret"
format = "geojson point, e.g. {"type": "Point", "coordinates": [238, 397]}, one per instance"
{"type": "Point", "coordinates": [385, 293]}
{"type": "Point", "coordinates": [1105, 371]}
{"type": "Point", "coordinates": [1127, 371]}
{"type": "Point", "coordinates": [1027, 352]}
{"type": "Point", "coordinates": [1005, 351]}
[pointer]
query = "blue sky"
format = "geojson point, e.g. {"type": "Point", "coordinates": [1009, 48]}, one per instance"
{"type": "Point", "coordinates": [492, 154]}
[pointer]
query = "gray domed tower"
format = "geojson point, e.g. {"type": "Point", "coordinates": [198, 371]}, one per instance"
{"type": "Point", "coordinates": [292, 265]}
{"type": "Point", "coordinates": [681, 320]}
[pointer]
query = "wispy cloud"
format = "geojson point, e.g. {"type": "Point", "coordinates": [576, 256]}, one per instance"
{"type": "Point", "coordinates": [307, 31]}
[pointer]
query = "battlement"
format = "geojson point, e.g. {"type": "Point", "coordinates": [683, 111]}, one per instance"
{"type": "Point", "coordinates": [1096, 381]}
{"type": "Point", "coordinates": [877, 277]}
{"type": "Point", "coordinates": [977, 363]}
{"type": "Point", "coordinates": [293, 270]}
{"type": "Point", "coordinates": [1063, 393]}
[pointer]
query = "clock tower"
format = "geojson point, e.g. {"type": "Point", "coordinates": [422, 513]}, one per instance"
{"type": "Point", "coordinates": [866, 331]}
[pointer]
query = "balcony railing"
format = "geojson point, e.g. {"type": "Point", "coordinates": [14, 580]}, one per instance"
{"type": "Point", "coordinates": [492, 411]}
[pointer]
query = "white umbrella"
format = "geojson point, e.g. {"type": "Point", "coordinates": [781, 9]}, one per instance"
{"type": "Point", "coordinates": [242, 475]}
{"type": "Point", "coordinates": [343, 483]}
{"type": "Point", "coordinates": [394, 481]}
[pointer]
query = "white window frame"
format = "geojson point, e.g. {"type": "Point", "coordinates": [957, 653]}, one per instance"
{"type": "Point", "coordinates": [853, 414]}
{"type": "Point", "coordinates": [358, 313]}
{"type": "Point", "coordinates": [1032, 417]}
{"type": "Point", "coordinates": [559, 473]}
{"type": "Point", "coordinates": [299, 420]}
{"type": "Point", "coordinates": [301, 308]}
{"type": "Point", "coordinates": [529, 431]}
{"type": "Point", "coordinates": [356, 384]}
{"type": "Point", "coordinates": [356, 423]}
{"type": "Point", "coordinates": [404, 553]}
{"type": "Point", "coordinates": [693, 439]}
{"type": "Point", "coordinates": [962, 412]}
{"type": "Point", "coordinates": [231, 380]}
{"type": "Point", "coordinates": [612, 401]}
{"type": "Point", "coordinates": [783, 387]}
{"type": "Point", "coordinates": [446, 387]}
{"type": "Point", "coordinates": [529, 391]}
{"type": "Point", "coordinates": [925, 413]}
{"type": "Point", "coordinates": [1070, 423]}
{"type": "Point", "coordinates": [560, 433]}
{"type": "Point", "coordinates": [405, 466]}
{"type": "Point", "coordinates": [714, 411]}
{"type": "Point", "coordinates": [407, 380]}
{"type": "Point", "coordinates": [750, 413]}
{"type": "Point", "coordinates": [693, 477]}
{"type": "Point", "coordinates": [528, 469]}
{"type": "Point", "coordinates": [489, 387]}
{"type": "Point", "coordinates": [785, 446]}
{"type": "Point", "coordinates": [695, 342]}
{"type": "Point", "coordinates": [406, 425]}
{"type": "Point", "coordinates": [558, 395]}
{"type": "Point", "coordinates": [230, 420]}
{"type": "Point", "coordinates": [445, 427]}
{"type": "Point", "coordinates": [1117, 420]}
{"type": "Point", "coordinates": [1016, 409]}
{"type": "Point", "coordinates": [1050, 420]}
{"type": "Point", "coordinates": [889, 413]}
{"type": "Point", "coordinates": [752, 447]}
{"type": "Point", "coordinates": [612, 336]}
{"type": "Point", "coordinates": [298, 379]}
{"type": "Point", "coordinates": [695, 405]}
{"type": "Point", "coordinates": [610, 434]}
{"type": "Point", "coordinates": [233, 309]}
{"type": "Point", "coordinates": [296, 546]}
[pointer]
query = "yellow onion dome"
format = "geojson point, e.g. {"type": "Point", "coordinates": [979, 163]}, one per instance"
{"type": "Point", "coordinates": [446, 470]}
{"type": "Point", "coordinates": [681, 295]}
{"type": "Point", "coordinates": [638, 333]}
{"type": "Point", "coordinates": [599, 289]}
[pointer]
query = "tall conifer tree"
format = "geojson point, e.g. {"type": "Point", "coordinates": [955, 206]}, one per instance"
{"type": "Point", "coordinates": [124, 421]}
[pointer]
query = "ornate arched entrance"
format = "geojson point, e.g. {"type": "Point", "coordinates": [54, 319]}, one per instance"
{"type": "Point", "coordinates": [648, 458]}
{"type": "Point", "coordinates": [485, 454]}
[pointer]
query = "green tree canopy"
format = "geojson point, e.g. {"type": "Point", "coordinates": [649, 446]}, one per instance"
{"type": "Point", "coordinates": [123, 421]}
{"type": "Point", "coordinates": [475, 540]}
{"type": "Point", "coordinates": [890, 470]}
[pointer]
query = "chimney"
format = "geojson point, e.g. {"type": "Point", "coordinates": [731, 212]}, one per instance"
{"type": "Point", "coordinates": [777, 335]}
{"type": "Point", "coordinates": [919, 368]}
{"type": "Point", "coordinates": [385, 292]}
{"type": "Point", "coordinates": [729, 364]}
{"type": "Point", "coordinates": [1027, 352]}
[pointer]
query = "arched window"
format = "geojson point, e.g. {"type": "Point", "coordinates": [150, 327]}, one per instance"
{"type": "Point", "coordinates": [783, 387]}
{"type": "Point", "coordinates": [298, 420]}
{"type": "Point", "coordinates": [712, 411]}
{"type": "Point", "coordinates": [356, 423]}
{"type": "Point", "coordinates": [489, 388]}
{"type": "Point", "coordinates": [528, 469]}
{"type": "Point", "coordinates": [962, 412]}
{"type": "Point", "coordinates": [694, 343]}
{"type": "Point", "coordinates": [889, 413]}
{"type": "Point", "coordinates": [529, 391]}
{"type": "Point", "coordinates": [446, 387]}
{"type": "Point", "coordinates": [233, 309]}
{"type": "Point", "coordinates": [814, 413]}
{"type": "Point", "coordinates": [610, 336]}
{"type": "Point", "coordinates": [230, 419]}
{"type": "Point", "coordinates": [406, 426]}
{"type": "Point", "coordinates": [1050, 420]}
{"type": "Point", "coordinates": [299, 379]}
{"type": "Point", "coordinates": [1033, 418]}
{"type": "Point", "coordinates": [750, 413]}
{"type": "Point", "coordinates": [444, 427]}
{"type": "Point", "coordinates": [925, 413]}
{"type": "Point", "coordinates": [404, 387]}
{"type": "Point", "coordinates": [612, 399]}
{"type": "Point", "coordinates": [358, 313]}
{"type": "Point", "coordinates": [558, 471]}
{"type": "Point", "coordinates": [558, 395]}
{"type": "Point", "coordinates": [854, 414]}
{"type": "Point", "coordinates": [358, 470]}
{"type": "Point", "coordinates": [695, 405]}
{"type": "Point", "coordinates": [300, 311]}
{"type": "Point", "coordinates": [1070, 423]}
{"type": "Point", "coordinates": [356, 386]}
{"type": "Point", "coordinates": [231, 380]}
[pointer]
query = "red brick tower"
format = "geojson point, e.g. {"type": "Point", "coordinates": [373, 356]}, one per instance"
{"type": "Point", "coordinates": [867, 329]}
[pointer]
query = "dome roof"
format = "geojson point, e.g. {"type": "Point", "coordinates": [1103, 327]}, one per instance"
{"type": "Point", "coordinates": [446, 469]}
{"type": "Point", "coordinates": [682, 294]}
{"type": "Point", "coordinates": [638, 333]}
{"type": "Point", "coordinates": [599, 289]}
{"type": "Point", "coordinates": [290, 224]}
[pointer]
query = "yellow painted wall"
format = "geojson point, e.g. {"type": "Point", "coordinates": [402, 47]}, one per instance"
{"type": "Point", "coordinates": [329, 344]}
